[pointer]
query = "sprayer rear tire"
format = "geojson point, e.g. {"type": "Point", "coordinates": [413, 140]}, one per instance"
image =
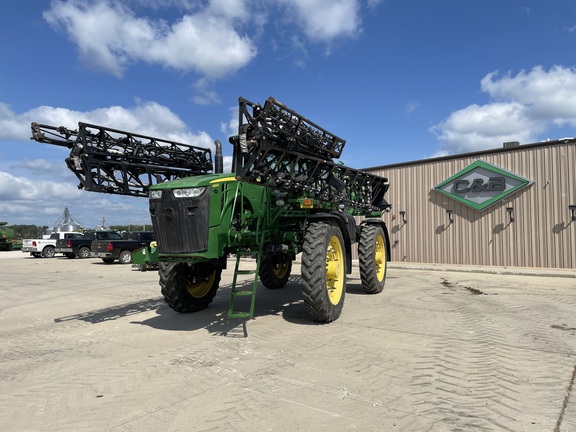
{"type": "Point", "coordinates": [275, 270]}
{"type": "Point", "coordinates": [189, 288]}
{"type": "Point", "coordinates": [323, 272]}
{"type": "Point", "coordinates": [372, 258]}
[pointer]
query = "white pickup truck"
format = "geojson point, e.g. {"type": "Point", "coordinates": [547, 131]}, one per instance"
{"type": "Point", "coordinates": [45, 247]}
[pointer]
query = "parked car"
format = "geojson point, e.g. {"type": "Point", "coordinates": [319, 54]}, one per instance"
{"type": "Point", "coordinates": [120, 249]}
{"type": "Point", "coordinates": [46, 247]}
{"type": "Point", "coordinates": [81, 246]}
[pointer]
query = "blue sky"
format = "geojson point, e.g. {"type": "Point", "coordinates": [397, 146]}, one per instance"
{"type": "Point", "coordinates": [399, 80]}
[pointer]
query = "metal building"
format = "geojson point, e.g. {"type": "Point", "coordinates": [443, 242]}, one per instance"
{"type": "Point", "coordinates": [513, 206]}
{"type": "Point", "coordinates": [66, 222]}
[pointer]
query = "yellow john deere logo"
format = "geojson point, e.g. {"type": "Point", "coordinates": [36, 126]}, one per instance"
{"type": "Point", "coordinates": [481, 184]}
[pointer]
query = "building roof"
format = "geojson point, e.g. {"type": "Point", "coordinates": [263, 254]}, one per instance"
{"type": "Point", "coordinates": [508, 147]}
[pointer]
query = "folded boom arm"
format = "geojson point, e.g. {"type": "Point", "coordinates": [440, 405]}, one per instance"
{"type": "Point", "coordinates": [283, 150]}
{"type": "Point", "coordinates": [118, 162]}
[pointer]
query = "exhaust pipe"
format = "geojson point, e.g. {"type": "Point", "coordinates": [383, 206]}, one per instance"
{"type": "Point", "coordinates": [218, 158]}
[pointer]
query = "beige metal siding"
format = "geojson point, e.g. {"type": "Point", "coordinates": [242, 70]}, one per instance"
{"type": "Point", "coordinates": [542, 234]}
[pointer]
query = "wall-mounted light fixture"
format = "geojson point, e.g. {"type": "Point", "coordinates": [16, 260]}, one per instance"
{"type": "Point", "coordinates": [449, 213]}
{"type": "Point", "coordinates": [572, 208]}
{"type": "Point", "coordinates": [403, 216]}
{"type": "Point", "coordinates": [510, 211]}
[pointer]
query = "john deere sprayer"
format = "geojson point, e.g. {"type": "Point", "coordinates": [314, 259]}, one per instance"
{"type": "Point", "coordinates": [285, 196]}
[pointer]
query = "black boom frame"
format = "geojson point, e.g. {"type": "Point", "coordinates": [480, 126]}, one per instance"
{"type": "Point", "coordinates": [275, 147]}
{"type": "Point", "coordinates": [118, 162]}
{"type": "Point", "coordinates": [283, 150]}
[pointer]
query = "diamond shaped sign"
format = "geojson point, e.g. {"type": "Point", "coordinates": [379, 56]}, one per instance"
{"type": "Point", "coordinates": [481, 184]}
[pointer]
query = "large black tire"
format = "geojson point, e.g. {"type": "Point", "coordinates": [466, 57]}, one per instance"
{"type": "Point", "coordinates": [48, 252]}
{"type": "Point", "coordinates": [372, 258]}
{"type": "Point", "coordinates": [125, 257]}
{"type": "Point", "coordinates": [84, 252]}
{"type": "Point", "coordinates": [189, 287]}
{"type": "Point", "coordinates": [108, 260]}
{"type": "Point", "coordinates": [323, 271]}
{"type": "Point", "coordinates": [275, 270]}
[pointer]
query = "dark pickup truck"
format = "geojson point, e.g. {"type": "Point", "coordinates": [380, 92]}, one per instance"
{"type": "Point", "coordinates": [80, 246]}
{"type": "Point", "coordinates": [121, 249]}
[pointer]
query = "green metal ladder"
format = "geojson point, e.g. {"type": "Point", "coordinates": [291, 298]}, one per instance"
{"type": "Point", "coordinates": [260, 235]}
{"type": "Point", "coordinates": [239, 292]}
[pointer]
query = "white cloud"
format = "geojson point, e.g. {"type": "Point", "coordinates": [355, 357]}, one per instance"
{"type": "Point", "coordinates": [373, 4]}
{"type": "Point", "coordinates": [325, 20]}
{"type": "Point", "coordinates": [524, 107]}
{"type": "Point", "coordinates": [29, 201]}
{"type": "Point", "coordinates": [146, 118]}
{"type": "Point", "coordinates": [110, 37]}
{"type": "Point", "coordinates": [232, 10]}
{"type": "Point", "coordinates": [11, 126]}
{"type": "Point", "coordinates": [40, 168]}
{"type": "Point", "coordinates": [231, 127]}
{"type": "Point", "coordinates": [212, 38]}
{"type": "Point", "coordinates": [476, 128]}
{"type": "Point", "coordinates": [227, 164]}
{"type": "Point", "coordinates": [20, 188]}
{"type": "Point", "coordinates": [411, 106]}
{"type": "Point", "coordinates": [546, 95]}
{"type": "Point", "coordinates": [205, 94]}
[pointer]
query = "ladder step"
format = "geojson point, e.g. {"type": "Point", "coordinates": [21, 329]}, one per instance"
{"type": "Point", "coordinates": [246, 253]}
{"type": "Point", "coordinates": [239, 314]}
{"type": "Point", "coordinates": [242, 293]}
{"type": "Point", "coordinates": [246, 272]}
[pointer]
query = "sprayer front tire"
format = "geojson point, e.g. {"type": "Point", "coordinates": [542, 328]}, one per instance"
{"type": "Point", "coordinates": [323, 272]}
{"type": "Point", "coordinates": [189, 287]}
{"type": "Point", "coordinates": [372, 258]}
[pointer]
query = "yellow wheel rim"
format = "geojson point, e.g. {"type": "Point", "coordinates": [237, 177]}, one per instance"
{"type": "Point", "coordinates": [334, 270]}
{"type": "Point", "coordinates": [380, 258]}
{"type": "Point", "coordinates": [201, 287]}
{"type": "Point", "coordinates": [280, 270]}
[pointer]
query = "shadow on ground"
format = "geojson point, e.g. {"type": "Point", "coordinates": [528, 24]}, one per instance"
{"type": "Point", "coordinates": [285, 302]}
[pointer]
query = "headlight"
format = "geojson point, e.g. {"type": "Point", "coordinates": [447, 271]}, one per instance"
{"type": "Point", "coordinates": [188, 193]}
{"type": "Point", "coordinates": [155, 194]}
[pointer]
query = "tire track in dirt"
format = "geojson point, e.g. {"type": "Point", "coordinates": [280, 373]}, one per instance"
{"type": "Point", "coordinates": [477, 383]}
{"type": "Point", "coordinates": [106, 385]}
{"type": "Point", "coordinates": [419, 356]}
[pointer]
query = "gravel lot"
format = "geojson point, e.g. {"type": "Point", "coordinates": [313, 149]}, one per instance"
{"type": "Point", "coordinates": [86, 346]}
